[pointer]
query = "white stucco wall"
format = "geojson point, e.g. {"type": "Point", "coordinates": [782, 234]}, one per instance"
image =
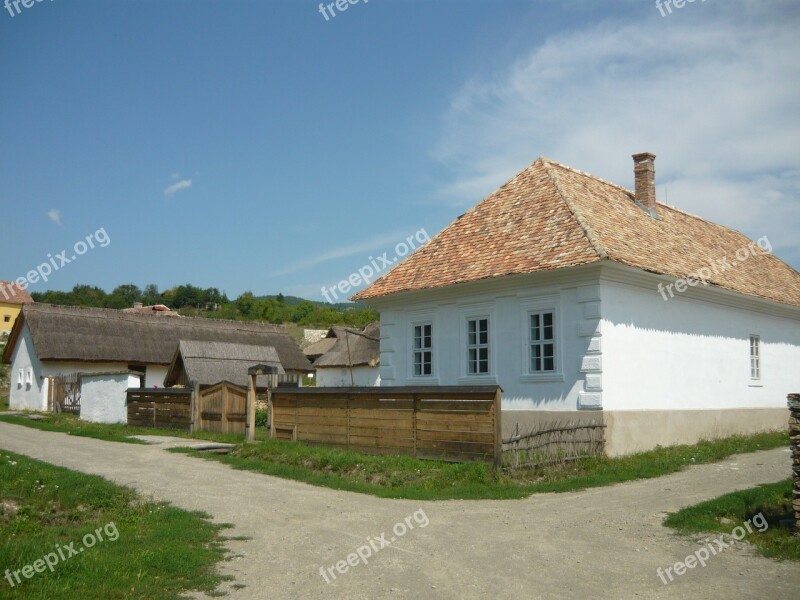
{"type": "Point", "coordinates": [33, 396]}
{"type": "Point", "coordinates": [363, 377]}
{"type": "Point", "coordinates": [692, 351]}
{"type": "Point", "coordinates": [22, 395]}
{"type": "Point", "coordinates": [572, 294]}
{"type": "Point", "coordinates": [103, 398]}
{"type": "Point", "coordinates": [622, 347]}
{"type": "Point", "coordinates": [154, 377]}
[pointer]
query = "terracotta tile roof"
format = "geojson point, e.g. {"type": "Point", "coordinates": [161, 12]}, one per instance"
{"type": "Point", "coordinates": [551, 216]}
{"type": "Point", "coordinates": [13, 294]}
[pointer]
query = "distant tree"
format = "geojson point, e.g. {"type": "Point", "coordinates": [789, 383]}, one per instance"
{"type": "Point", "coordinates": [281, 299]}
{"type": "Point", "coordinates": [88, 295]}
{"type": "Point", "coordinates": [124, 296]}
{"type": "Point", "coordinates": [151, 295]}
{"type": "Point", "coordinates": [245, 303]}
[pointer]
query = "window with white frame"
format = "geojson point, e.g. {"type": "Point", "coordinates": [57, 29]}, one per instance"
{"type": "Point", "coordinates": [542, 342]}
{"type": "Point", "coordinates": [423, 349]}
{"type": "Point", "coordinates": [29, 377]}
{"type": "Point", "coordinates": [755, 357]}
{"type": "Point", "coordinates": [478, 346]}
{"type": "Point", "coordinates": [20, 377]}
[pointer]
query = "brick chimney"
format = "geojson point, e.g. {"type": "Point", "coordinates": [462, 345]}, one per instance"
{"type": "Point", "coordinates": [644, 170]}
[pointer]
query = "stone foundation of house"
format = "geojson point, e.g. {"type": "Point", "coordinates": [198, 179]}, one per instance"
{"type": "Point", "coordinates": [629, 431]}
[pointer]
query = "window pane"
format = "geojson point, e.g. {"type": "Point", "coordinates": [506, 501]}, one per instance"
{"type": "Point", "coordinates": [548, 319]}
{"type": "Point", "coordinates": [548, 363]}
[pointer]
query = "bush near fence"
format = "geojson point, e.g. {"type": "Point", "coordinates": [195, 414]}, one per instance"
{"type": "Point", "coordinates": [457, 423]}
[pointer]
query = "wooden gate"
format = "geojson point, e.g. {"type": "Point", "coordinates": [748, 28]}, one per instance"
{"type": "Point", "coordinates": [64, 393]}
{"type": "Point", "coordinates": [222, 408]}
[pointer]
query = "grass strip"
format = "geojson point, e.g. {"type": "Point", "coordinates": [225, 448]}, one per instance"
{"type": "Point", "coordinates": [147, 549]}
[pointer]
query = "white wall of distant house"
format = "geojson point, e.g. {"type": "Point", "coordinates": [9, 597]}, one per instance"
{"type": "Point", "coordinates": [30, 391]}
{"type": "Point", "coordinates": [693, 350]}
{"type": "Point", "coordinates": [155, 375]}
{"type": "Point", "coordinates": [103, 398]}
{"type": "Point", "coordinates": [335, 377]}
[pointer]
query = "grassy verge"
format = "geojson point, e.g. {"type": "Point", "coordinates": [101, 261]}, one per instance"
{"type": "Point", "coordinates": [406, 477]}
{"type": "Point", "coordinates": [147, 549]}
{"type": "Point", "coordinates": [772, 501]}
{"type": "Point", "coordinates": [72, 425]}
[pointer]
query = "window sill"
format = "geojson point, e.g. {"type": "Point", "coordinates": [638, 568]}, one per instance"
{"type": "Point", "coordinates": [755, 384]}
{"type": "Point", "coordinates": [543, 378]}
{"type": "Point", "coordinates": [419, 380]}
{"type": "Point", "coordinates": [477, 380]}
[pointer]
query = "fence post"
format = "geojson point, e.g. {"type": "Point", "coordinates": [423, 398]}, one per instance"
{"type": "Point", "coordinates": [194, 408]}
{"type": "Point", "coordinates": [251, 409]}
{"type": "Point", "coordinates": [414, 410]}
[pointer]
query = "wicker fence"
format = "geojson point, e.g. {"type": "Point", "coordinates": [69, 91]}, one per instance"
{"type": "Point", "coordinates": [456, 423]}
{"type": "Point", "coordinates": [554, 442]}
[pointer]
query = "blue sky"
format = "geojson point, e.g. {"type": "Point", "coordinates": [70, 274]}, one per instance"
{"type": "Point", "coordinates": [253, 145]}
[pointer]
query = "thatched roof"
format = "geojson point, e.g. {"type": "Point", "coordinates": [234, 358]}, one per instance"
{"type": "Point", "coordinates": [209, 363]}
{"type": "Point", "coordinates": [317, 349]}
{"type": "Point", "coordinates": [74, 333]}
{"type": "Point", "coordinates": [353, 348]}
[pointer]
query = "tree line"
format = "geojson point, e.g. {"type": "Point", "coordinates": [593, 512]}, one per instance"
{"type": "Point", "coordinates": [193, 301]}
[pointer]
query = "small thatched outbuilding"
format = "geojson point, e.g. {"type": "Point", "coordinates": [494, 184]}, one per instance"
{"type": "Point", "coordinates": [352, 357]}
{"type": "Point", "coordinates": [209, 363]}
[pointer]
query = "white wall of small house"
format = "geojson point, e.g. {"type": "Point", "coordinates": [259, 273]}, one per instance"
{"type": "Point", "coordinates": [154, 376]}
{"type": "Point", "coordinates": [692, 351]}
{"type": "Point", "coordinates": [103, 398]}
{"type": "Point", "coordinates": [335, 377]}
{"type": "Point", "coordinates": [507, 303]}
{"type": "Point", "coordinates": [33, 395]}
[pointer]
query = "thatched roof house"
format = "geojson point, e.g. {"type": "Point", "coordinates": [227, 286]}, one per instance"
{"type": "Point", "coordinates": [49, 340]}
{"type": "Point", "coordinates": [209, 363]}
{"type": "Point", "coordinates": [350, 356]}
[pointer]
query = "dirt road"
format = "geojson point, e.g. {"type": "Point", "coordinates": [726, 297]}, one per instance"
{"type": "Point", "coordinates": [600, 543]}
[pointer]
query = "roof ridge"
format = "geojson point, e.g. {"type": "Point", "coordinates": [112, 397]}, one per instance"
{"type": "Point", "coordinates": [587, 174]}
{"type": "Point", "coordinates": [584, 225]}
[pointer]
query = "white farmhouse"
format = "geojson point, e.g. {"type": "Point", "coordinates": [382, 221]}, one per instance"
{"type": "Point", "coordinates": [347, 357]}
{"type": "Point", "coordinates": [50, 342]}
{"type": "Point", "coordinates": [588, 302]}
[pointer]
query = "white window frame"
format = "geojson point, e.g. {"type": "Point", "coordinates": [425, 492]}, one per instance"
{"type": "Point", "coordinates": [20, 377]}
{"type": "Point", "coordinates": [754, 342]}
{"type": "Point", "coordinates": [422, 349]}
{"type": "Point", "coordinates": [29, 376]}
{"type": "Point", "coordinates": [477, 346]}
{"type": "Point", "coordinates": [540, 305]}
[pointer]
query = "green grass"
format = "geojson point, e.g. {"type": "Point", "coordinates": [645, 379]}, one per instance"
{"type": "Point", "coordinates": [773, 501]}
{"type": "Point", "coordinates": [3, 403]}
{"type": "Point", "coordinates": [72, 425]}
{"type": "Point", "coordinates": [407, 477]}
{"type": "Point", "coordinates": [149, 549]}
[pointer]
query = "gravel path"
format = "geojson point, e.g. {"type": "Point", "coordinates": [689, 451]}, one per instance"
{"type": "Point", "coordinates": [600, 543]}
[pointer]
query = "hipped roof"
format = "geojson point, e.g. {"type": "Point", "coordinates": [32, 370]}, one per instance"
{"type": "Point", "coordinates": [73, 333]}
{"type": "Point", "coordinates": [550, 216]}
{"type": "Point", "coordinates": [209, 363]}
{"type": "Point", "coordinates": [353, 348]}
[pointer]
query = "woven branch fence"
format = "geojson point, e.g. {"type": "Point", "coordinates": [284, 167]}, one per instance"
{"type": "Point", "coordinates": [554, 442]}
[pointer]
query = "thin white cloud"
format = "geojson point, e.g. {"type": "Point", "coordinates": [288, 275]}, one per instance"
{"type": "Point", "coordinates": [172, 189]}
{"type": "Point", "coordinates": [385, 242]}
{"type": "Point", "coordinates": [55, 216]}
{"type": "Point", "coordinates": [715, 93]}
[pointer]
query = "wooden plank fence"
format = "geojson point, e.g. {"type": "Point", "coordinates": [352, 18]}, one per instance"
{"type": "Point", "coordinates": [164, 408]}
{"type": "Point", "coordinates": [458, 423]}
